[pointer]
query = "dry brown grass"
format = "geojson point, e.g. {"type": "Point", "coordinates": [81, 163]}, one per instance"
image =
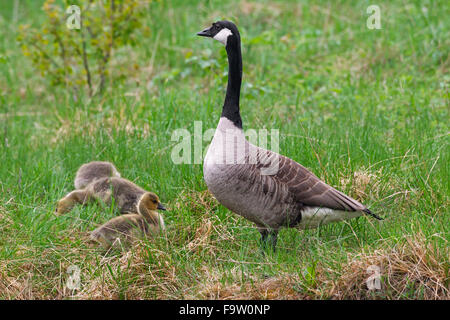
{"type": "Point", "coordinates": [209, 232]}
{"type": "Point", "coordinates": [411, 269]}
{"type": "Point", "coordinates": [197, 201]}
{"type": "Point", "coordinates": [131, 275]}
{"type": "Point", "coordinates": [362, 182]}
{"type": "Point", "coordinates": [14, 287]}
{"type": "Point", "coordinates": [280, 287]}
{"type": "Point", "coordinates": [366, 184]}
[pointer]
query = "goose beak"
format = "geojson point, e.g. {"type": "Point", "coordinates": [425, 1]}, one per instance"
{"type": "Point", "coordinates": [205, 33]}
{"type": "Point", "coordinates": [161, 207]}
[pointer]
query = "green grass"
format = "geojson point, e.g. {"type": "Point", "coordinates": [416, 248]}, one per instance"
{"type": "Point", "coordinates": [365, 110]}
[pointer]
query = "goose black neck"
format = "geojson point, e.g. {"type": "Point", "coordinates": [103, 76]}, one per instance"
{"type": "Point", "coordinates": [231, 105]}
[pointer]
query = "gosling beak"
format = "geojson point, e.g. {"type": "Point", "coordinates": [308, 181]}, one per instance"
{"type": "Point", "coordinates": [205, 33]}
{"type": "Point", "coordinates": [161, 207]}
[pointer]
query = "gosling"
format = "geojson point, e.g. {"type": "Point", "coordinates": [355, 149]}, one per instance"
{"type": "Point", "coordinates": [94, 170]}
{"type": "Point", "coordinates": [121, 231]}
{"type": "Point", "coordinates": [126, 195]}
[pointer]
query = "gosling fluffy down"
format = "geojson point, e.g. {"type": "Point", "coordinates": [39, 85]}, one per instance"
{"type": "Point", "coordinates": [125, 193]}
{"type": "Point", "coordinates": [120, 231]}
{"type": "Point", "coordinates": [94, 170]}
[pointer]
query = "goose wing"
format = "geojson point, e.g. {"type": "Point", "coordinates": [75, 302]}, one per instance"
{"type": "Point", "coordinates": [309, 190]}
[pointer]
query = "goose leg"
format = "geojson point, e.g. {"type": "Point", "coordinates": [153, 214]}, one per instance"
{"type": "Point", "coordinates": [268, 236]}
{"type": "Point", "coordinates": [263, 241]}
{"type": "Point", "coordinates": [273, 239]}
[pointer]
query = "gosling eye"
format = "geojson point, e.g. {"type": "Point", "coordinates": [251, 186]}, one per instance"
{"type": "Point", "coordinates": [154, 201]}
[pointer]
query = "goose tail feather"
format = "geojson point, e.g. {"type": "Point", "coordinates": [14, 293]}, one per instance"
{"type": "Point", "coordinates": [370, 213]}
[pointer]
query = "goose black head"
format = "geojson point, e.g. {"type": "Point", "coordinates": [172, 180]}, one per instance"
{"type": "Point", "coordinates": [223, 31]}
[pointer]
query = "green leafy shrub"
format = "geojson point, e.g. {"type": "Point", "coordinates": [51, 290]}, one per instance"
{"type": "Point", "coordinates": [78, 58]}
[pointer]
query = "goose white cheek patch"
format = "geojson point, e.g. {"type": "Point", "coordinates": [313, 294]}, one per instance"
{"type": "Point", "coordinates": [222, 36]}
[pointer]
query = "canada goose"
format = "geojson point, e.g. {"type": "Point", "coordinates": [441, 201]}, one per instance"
{"type": "Point", "coordinates": [94, 170]}
{"type": "Point", "coordinates": [264, 187]}
{"type": "Point", "coordinates": [124, 229]}
{"type": "Point", "coordinates": [127, 195]}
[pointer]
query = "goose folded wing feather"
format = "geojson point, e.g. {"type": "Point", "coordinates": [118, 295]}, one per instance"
{"type": "Point", "coordinates": [309, 190]}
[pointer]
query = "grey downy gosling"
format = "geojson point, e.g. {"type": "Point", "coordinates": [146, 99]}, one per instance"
{"type": "Point", "coordinates": [123, 230]}
{"type": "Point", "coordinates": [94, 170]}
{"type": "Point", "coordinates": [127, 195]}
{"type": "Point", "coordinates": [264, 187]}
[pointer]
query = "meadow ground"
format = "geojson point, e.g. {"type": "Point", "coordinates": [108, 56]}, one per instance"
{"type": "Point", "coordinates": [365, 110]}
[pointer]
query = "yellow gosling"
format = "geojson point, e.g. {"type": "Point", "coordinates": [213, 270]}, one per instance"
{"type": "Point", "coordinates": [121, 231]}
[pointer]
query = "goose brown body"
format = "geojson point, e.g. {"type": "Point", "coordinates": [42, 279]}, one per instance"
{"type": "Point", "coordinates": [269, 199]}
